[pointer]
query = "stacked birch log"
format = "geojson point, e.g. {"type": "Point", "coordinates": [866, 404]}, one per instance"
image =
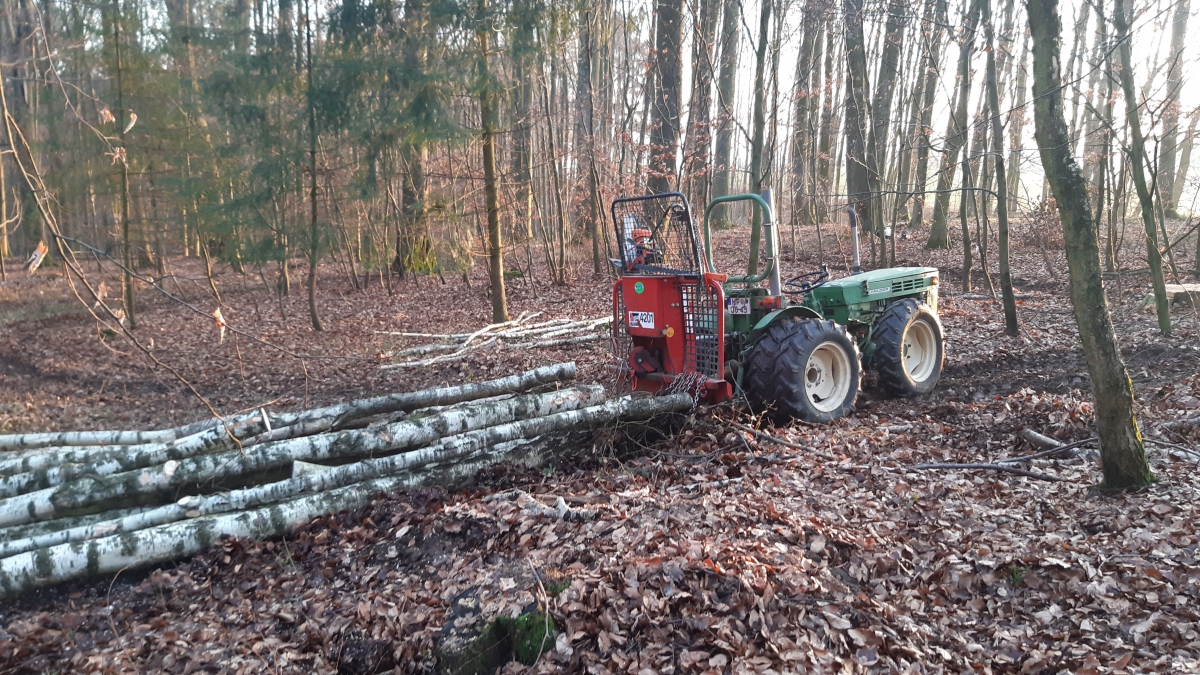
{"type": "Point", "coordinates": [516, 334]}
{"type": "Point", "coordinates": [77, 504]}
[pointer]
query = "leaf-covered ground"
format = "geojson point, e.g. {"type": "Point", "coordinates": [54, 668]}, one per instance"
{"type": "Point", "coordinates": [709, 549]}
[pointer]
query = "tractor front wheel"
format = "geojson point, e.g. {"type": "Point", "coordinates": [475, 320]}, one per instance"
{"type": "Point", "coordinates": [909, 349]}
{"type": "Point", "coordinates": [807, 369]}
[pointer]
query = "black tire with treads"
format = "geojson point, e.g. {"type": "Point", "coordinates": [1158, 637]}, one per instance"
{"type": "Point", "coordinates": [889, 336]}
{"type": "Point", "coordinates": [775, 372]}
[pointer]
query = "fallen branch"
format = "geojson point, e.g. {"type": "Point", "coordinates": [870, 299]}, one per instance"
{"type": "Point", "coordinates": [993, 467]}
{"type": "Point", "coordinates": [767, 437]}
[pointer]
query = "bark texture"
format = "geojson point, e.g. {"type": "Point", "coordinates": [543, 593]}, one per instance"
{"type": "Point", "coordinates": [1122, 453]}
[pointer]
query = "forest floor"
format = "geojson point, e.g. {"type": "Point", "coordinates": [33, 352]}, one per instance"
{"type": "Point", "coordinates": [714, 550]}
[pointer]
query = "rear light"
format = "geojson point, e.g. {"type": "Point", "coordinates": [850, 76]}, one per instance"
{"type": "Point", "coordinates": [771, 302]}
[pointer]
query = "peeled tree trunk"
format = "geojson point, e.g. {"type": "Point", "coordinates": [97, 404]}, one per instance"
{"type": "Point", "coordinates": [148, 484]}
{"type": "Point", "coordinates": [63, 562]}
{"type": "Point", "coordinates": [1122, 453]}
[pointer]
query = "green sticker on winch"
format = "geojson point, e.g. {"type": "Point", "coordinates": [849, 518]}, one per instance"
{"type": "Point", "coordinates": [638, 288]}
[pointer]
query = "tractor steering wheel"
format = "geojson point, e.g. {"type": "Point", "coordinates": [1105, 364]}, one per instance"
{"type": "Point", "coordinates": [801, 282]}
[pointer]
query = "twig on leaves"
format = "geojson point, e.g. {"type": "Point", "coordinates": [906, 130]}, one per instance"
{"type": "Point", "coordinates": [778, 441]}
{"type": "Point", "coordinates": [993, 467]}
{"type": "Point", "coordinates": [1051, 450]}
{"type": "Point", "coordinates": [1174, 446]}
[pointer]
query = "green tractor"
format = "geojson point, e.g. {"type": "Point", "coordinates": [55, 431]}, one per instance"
{"type": "Point", "coordinates": [795, 348]}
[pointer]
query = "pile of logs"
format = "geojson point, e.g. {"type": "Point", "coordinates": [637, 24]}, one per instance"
{"type": "Point", "coordinates": [515, 334]}
{"type": "Point", "coordinates": [83, 503]}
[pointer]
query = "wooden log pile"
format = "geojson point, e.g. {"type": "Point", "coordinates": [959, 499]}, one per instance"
{"type": "Point", "coordinates": [77, 504]}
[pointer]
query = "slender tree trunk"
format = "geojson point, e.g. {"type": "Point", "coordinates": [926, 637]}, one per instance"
{"type": "Point", "coordinates": [487, 114]}
{"type": "Point", "coordinates": [857, 96]}
{"type": "Point", "coordinates": [759, 126]}
{"type": "Point", "coordinates": [997, 134]}
{"type": "Point", "coordinates": [932, 66]}
{"type": "Point", "coordinates": [314, 232]}
{"type": "Point", "coordinates": [1122, 454]}
{"type": "Point", "coordinates": [1137, 146]}
{"type": "Point", "coordinates": [1185, 159]}
{"type": "Point", "coordinates": [956, 133]}
{"type": "Point", "coordinates": [664, 125]}
{"type": "Point", "coordinates": [1170, 134]}
{"type": "Point", "coordinates": [726, 91]}
{"type": "Point", "coordinates": [825, 143]}
{"type": "Point", "coordinates": [802, 136]}
{"type": "Point", "coordinates": [964, 209]}
{"type": "Point", "coordinates": [881, 113]}
{"type": "Point", "coordinates": [586, 130]}
{"type": "Point", "coordinates": [127, 290]}
{"type": "Point", "coordinates": [3, 216]}
{"type": "Point", "coordinates": [699, 141]}
{"type": "Point", "coordinates": [1016, 124]}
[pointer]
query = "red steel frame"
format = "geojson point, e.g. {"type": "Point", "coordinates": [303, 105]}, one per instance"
{"type": "Point", "coordinates": [663, 297]}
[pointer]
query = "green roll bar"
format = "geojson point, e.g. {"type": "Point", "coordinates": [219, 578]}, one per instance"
{"type": "Point", "coordinates": [768, 219]}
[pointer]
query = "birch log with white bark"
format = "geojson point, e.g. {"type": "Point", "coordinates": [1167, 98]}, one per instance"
{"type": "Point", "coordinates": [109, 554]}
{"type": "Point", "coordinates": [324, 479]}
{"type": "Point", "coordinates": [146, 484]}
{"type": "Point", "coordinates": [216, 437]}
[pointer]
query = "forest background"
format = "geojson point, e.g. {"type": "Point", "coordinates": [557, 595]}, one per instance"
{"type": "Point", "coordinates": [422, 136]}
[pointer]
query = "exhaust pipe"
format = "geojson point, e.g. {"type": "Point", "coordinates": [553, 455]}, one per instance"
{"type": "Point", "coordinates": [856, 267]}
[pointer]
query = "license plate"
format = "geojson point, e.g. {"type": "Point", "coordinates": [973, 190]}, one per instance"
{"type": "Point", "coordinates": [738, 305]}
{"type": "Point", "coordinates": [641, 319]}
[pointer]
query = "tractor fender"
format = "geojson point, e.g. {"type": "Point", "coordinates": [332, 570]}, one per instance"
{"type": "Point", "coordinates": [795, 311]}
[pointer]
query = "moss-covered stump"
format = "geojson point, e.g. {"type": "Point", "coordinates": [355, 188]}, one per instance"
{"type": "Point", "coordinates": [504, 639]}
{"type": "Point", "coordinates": [494, 623]}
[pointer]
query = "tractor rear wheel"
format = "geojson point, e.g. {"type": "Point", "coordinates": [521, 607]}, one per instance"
{"type": "Point", "coordinates": [807, 369]}
{"type": "Point", "coordinates": [909, 349]}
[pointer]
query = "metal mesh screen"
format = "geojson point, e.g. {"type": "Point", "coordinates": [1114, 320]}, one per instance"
{"type": "Point", "coordinates": [700, 330]}
{"type": "Point", "coordinates": [657, 235]}
{"type": "Point", "coordinates": [622, 343]}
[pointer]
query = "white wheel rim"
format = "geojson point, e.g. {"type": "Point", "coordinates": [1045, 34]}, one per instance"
{"type": "Point", "coordinates": [920, 351]}
{"type": "Point", "coordinates": [827, 377]}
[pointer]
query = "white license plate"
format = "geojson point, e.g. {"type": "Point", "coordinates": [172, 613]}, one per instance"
{"type": "Point", "coordinates": [641, 319]}
{"type": "Point", "coordinates": [739, 305]}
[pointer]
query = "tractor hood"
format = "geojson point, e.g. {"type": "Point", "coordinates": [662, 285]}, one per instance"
{"type": "Point", "coordinates": [884, 284]}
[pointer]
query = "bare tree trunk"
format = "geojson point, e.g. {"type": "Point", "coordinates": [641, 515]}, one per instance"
{"type": "Point", "coordinates": [1016, 124]}
{"type": "Point", "coordinates": [487, 113]}
{"type": "Point", "coordinates": [127, 290]}
{"type": "Point", "coordinates": [759, 127]}
{"type": "Point", "coordinates": [1137, 155]}
{"type": "Point", "coordinates": [997, 133]}
{"type": "Point", "coordinates": [699, 140]}
{"type": "Point", "coordinates": [857, 97]}
{"type": "Point", "coordinates": [956, 133]}
{"type": "Point", "coordinates": [726, 91]}
{"type": "Point", "coordinates": [931, 67]}
{"type": "Point", "coordinates": [1122, 454]}
{"type": "Point", "coordinates": [314, 233]}
{"type": "Point", "coordinates": [664, 125]}
{"type": "Point", "coordinates": [881, 113]}
{"type": "Point", "coordinates": [825, 143]}
{"type": "Point", "coordinates": [803, 142]}
{"type": "Point", "coordinates": [1170, 133]}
